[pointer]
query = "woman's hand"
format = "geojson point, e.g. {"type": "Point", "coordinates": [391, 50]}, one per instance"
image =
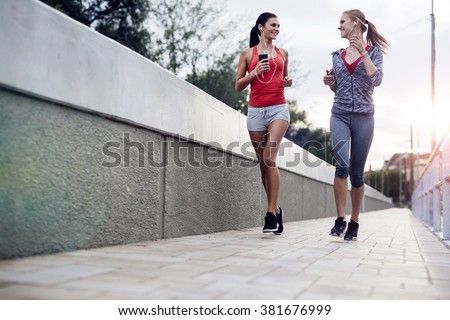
{"type": "Point", "coordinates": [358, 43]}
{"type": "Point", "coordinates": [329, 81]}
{"type": "Point", "coordinates": [262, 66]}
{"type": "Point", "coordinates": [287, 82]}
{"type": "Point", "coordinates": [328, 78]}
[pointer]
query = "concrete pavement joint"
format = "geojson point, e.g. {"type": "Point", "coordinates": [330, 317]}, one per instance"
{"type": "Point", "coordinates": [396, 261]}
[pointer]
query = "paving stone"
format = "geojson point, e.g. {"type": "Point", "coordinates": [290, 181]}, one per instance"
{"type": "Point", "coordinates": [395, 257]}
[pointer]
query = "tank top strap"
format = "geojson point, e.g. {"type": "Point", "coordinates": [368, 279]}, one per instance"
{"type": "Point", "coordinates": [253, 60]}
{"type": "Point", "coordinates": [279, 53]}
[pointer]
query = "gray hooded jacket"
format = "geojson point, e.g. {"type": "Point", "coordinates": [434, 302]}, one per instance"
{"type": "Point", "coordinates": [354, 91]}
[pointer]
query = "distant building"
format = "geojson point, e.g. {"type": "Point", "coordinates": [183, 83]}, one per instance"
{"type": "Point", "coordinates": [402, 162]}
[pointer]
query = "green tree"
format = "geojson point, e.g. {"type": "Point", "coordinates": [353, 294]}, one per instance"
{"type": "Point", "coordinates": [185, 33]}
{"type": "Point", "coordinates": [315, 140]}
{"type": "Point", "coordinates": [298, 117]}
{"type": "Point", "coordinates": [73, 8]}
{"type": "Point", "coordinates": [388, 182]}
{"type": "Point", "coordinates": [301, 132]}
{"type": "Point", "coordinates": [121, 20]}
{"type": "Point", "coordinates": [218, 81]}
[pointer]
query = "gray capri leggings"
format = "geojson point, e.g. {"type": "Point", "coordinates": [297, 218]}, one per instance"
{"type": "Point", "coordinates": [351, 137]}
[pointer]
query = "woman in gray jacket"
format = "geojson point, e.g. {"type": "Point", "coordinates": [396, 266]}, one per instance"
{"type": "Point", "coordinates": [356, 71]}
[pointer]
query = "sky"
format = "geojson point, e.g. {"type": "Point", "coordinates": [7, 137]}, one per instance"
{"type": "Point", "coordinates": [403, 101]}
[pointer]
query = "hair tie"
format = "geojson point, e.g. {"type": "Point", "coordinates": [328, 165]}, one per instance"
{"type": "Point", "coordinates": [366, 22]}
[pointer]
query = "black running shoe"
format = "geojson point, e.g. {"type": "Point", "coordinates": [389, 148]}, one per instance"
{"type": "Point", "coordinates": [270, 223]}
{"type": "Point", "coordinates": [339, 227]}
{"type": "Point", "coordinates": [280, 215]}
{"type": "Point", "coordinates": [352, 231]}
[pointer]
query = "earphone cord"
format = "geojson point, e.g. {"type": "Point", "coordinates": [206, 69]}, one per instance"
{"type": "Point", "coordinates": [273, 60]}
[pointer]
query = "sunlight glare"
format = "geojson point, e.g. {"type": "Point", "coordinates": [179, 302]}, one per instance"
{"type": "Point", "coordinates": [442, 113]}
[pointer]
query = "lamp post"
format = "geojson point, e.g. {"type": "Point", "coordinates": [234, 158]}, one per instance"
{"type": "Point", "coordinates": [411, 162]}
{"type": "Point", "coordinates": [400, 189]}
{"type": "Point", "coordinates": [433, 64]}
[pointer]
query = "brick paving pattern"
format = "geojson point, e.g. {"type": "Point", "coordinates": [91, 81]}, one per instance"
{"type": "Point", "coordinates": [395, 257]}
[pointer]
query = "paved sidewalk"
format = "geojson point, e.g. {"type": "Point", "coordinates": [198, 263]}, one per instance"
{"type": "Point", "coordinates": [395, 257]}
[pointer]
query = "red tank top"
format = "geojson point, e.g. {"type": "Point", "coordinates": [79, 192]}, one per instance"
{"type": "Point", "coordinates": [267, 91]}
{"type": "Point", "coordinates": [351, 66]}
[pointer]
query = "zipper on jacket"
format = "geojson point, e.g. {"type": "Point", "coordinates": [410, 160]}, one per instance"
{"type": "Point", "coordinates": [353, 94]}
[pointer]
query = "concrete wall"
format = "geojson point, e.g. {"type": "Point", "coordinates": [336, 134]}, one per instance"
{"type": "Point", "coordinates": [100, 146]}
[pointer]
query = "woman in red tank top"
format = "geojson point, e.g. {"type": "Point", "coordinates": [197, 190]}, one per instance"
{"type": "Point", "coordinates": [265, 68]}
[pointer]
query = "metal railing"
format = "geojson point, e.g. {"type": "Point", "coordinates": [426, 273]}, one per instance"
{"type": "Point", "coordinates": [431, 197]}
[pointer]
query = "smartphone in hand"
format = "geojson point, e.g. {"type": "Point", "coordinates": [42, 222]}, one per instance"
{"type": "Point", "coordinates": [263, 56]}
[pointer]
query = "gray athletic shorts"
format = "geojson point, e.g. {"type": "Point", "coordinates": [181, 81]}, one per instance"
{"type": "Point", "coordinates": [259, 118]}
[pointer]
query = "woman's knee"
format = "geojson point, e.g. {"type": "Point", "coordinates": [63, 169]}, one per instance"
{"type": "Point", "coordinates": [357, 180]}
{"type": "Point", "coordinates": [268, 162]}
{"type": "Point", "coordinates": [342, 172]}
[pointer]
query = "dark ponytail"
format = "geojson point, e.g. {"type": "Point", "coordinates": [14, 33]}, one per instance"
{"type": "Point", "coordinates": [254, 37]}
{"type": "Point", "coordinates": [254, 33]}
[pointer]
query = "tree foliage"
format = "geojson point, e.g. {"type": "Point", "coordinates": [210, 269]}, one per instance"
{"type": "Point", "coordinates": [185, 32]}
{"type": "Point", "coordinates": [218, 81]}
{"type": "Point", "coordinates": [315, 140]}
{"type": "Point", "coordinates": [121, 20]}
{"type": "Point", "coordinates": [392, 183]}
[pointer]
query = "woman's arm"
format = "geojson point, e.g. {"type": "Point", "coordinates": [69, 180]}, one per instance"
{"type": "Point", "coordinates": [368, 64]}
{"type": "Point", "coordinates": [242, 78]}
{"type": "Point", "coordinates": [287, 82]}
{"type": "Point", "coordinates": [377, 61]}
{"type": "Point", "coordinates": [374, 68]}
